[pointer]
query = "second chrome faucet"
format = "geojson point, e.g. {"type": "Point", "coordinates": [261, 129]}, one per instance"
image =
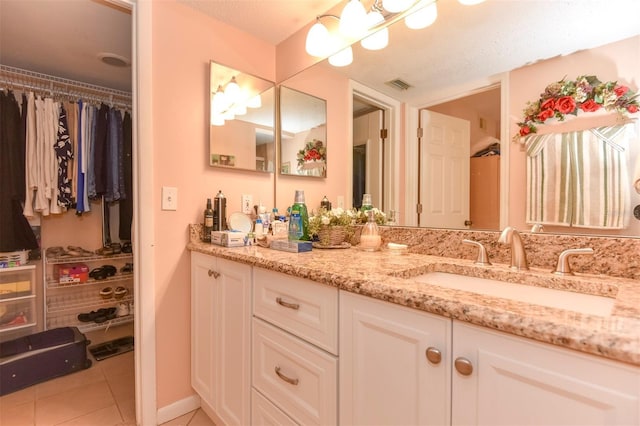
{"type": "Point", "coordinates": [518, 255]}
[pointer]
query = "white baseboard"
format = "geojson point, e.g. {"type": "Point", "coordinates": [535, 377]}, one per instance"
{"type": "Point", "coordinates": [177, 409]}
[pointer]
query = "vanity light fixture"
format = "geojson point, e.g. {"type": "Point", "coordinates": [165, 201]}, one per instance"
{"type": "Point", "coordinates": [232, 91]}
{"type": "Point", "coordinates": [371, 28]}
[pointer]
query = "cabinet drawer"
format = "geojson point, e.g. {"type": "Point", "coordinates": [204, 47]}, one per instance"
{"type": "Point", "coordinates": [302, 307]}
{"type": "Point", "coordinates": [20, 313]}
{"type": "Point", "coordinates": [297, 377]}
{"type": "Point", "coordinates": [264, 413]}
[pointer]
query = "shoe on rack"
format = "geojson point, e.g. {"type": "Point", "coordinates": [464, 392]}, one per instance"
{"type": "Point", "coordinates": [126, 247]}
{"type": "Point", "coordinates": [107, 314]}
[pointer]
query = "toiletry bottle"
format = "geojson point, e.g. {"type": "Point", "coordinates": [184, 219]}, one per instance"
{"type": "Point", "coordinates": [208, 222]}
{"type": "Point", "coordinates": [366, 203]}
{"type": "Point", "coordinates": [300, 223]}
{"type": "Point", "coordinates": [370, 239]}
{"type": "Point", "coordinates": [259, 228]}
{"type": "Point", "coordinates": [220, 212]}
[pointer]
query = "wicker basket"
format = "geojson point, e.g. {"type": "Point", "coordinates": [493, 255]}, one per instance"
{"type": "Point", "coordinates": [354, 237]}
{"type": "Point", "coordinates": [332, 235]}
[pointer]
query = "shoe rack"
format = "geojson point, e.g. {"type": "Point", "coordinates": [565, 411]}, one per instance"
{"type": "Point", "coordinates": [87, 298]}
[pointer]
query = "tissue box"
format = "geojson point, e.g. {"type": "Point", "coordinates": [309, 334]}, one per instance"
{"type": "Point", "coordinates": [70, 273]}
{"type": "Point", "coordinates": [291, 246]}
{"type": "Point", "coordinates": [228, 238]}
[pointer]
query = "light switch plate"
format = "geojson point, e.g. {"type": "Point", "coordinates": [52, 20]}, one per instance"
{"type": "Point", "coordinates": [340, 201]}
{"type": "Point", "coordinates": [169, 198]}
{"type": "Point", "coordinates": [247, 203]}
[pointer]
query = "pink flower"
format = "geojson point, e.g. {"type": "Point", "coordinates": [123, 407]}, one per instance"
{"type": "Point", "coordinates": [525, 130]}
{"type": "Point", "coordinates": [545, 114]}
{"type": "Point", "coordinates": [632, 108]}
{"type": "Point", "coordinates": [548, 104]}
{"type": "Point", "coordinates": [620, 90]}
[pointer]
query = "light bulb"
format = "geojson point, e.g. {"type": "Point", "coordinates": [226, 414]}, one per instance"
{"type": "Point", "coordinates": [232, 91]}
{"type": "Point", "coordinates": [422, 18]}
{"type": "Point", "coordinates": [379, 39]}
{"type": "Point", "coordinates": [395, 6]}
{"type": "Point", "coordinates": [240, 109]}
{"type": "Point", "coordinates": [316, 44]}
{"type": "Point", "coordinates": [217, 120]}
{"type": "Point", "coordinates": [353, 20]}
{"type": "Point", "coordinates": [219, 102]}
{"type": "Point", "coordinates": [342, 58]}
{"type": "Point", "coordinates": [228, 114]}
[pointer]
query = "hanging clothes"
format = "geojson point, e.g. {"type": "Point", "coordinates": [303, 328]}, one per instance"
{"type": "Point", "coordinates": [64, 152]}
{"type": "Point", "coordinates": [31, 168]}
{"type": "Point", "coordinates": [126, 203]}
{"type": "Point", "coordinates": [15, 231]}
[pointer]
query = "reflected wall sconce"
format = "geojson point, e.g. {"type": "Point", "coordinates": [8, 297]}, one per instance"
{"type": "Point", "coordinates": [370, 28]}
{"type": "Point", "coordinates": [231, 101]}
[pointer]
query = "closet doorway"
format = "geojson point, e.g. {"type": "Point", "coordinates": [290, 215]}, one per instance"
{"type": "Point", "coordinates": [95, 51]}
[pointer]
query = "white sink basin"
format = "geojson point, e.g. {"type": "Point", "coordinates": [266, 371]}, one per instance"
{"type": "Point", "coordinates": [561, 299]}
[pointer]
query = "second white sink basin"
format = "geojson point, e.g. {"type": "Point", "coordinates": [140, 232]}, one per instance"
{"type": "Point", "coordinates": [561, 299]}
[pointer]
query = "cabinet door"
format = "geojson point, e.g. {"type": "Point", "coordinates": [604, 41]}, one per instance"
{"type": "Point", "coordinates": [233, 339]}
{"type": "Point", "coordinates": [385, 376]}
{"type": "Point", "coordinates": [203, 331]}
{"type": "Point", "coordinates": [519, 381]}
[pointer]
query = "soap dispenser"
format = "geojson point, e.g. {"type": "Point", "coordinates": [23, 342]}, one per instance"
{"type": "Point", "coordinates": [370, 239]}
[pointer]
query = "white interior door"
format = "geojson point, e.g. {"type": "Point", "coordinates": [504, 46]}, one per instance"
{"type": "Point", "coordinates": [366, 131]}
{"type": "Point", "coordinates": [444, 170]}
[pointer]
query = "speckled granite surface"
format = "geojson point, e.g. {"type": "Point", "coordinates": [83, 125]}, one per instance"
{"type": "Point", "coordinates": [388, 277]}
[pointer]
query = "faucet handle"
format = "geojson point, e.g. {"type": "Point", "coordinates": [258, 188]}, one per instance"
{"type": "Point", "coordinates": [563, 267]}
{"type": "Point", "coordinates": [483, 257]}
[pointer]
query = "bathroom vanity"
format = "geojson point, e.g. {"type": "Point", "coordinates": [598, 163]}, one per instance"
{"type": "Point", "coordinates": [350, 337]}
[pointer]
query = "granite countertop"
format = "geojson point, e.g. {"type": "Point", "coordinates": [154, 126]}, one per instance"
{"type": "Point", "coordinates": [386, 276]}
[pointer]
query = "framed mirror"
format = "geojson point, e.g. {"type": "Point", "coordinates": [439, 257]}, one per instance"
{"type": "Point", "coordinates": [242, 126]}
{"type": "Point", "coordinates": [303, 134]}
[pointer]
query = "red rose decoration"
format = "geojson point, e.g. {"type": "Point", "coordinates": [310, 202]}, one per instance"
{"type": "Point", "coordinates": [525, 130]}
{"type": "Point", "coordinates": [632, 108]}
{"type": "Point", "coordinates": [566, 105]}
{"type": "Point", "coordinates": [548, 104]}
{"type": "Point", "coordinates": [590, 106]}
{"type": "Point", "coordinates": [544, 114]}
{"type": "Point", "coordinates": [621, 90]}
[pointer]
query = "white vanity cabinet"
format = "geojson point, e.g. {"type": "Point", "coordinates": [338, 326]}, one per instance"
{"type": "Point", "coordinates": [295, 341]}
{"type": "Point", "coordinates": [395, 364]}
{"type": "Point", "coordinates": [221, 337]}
{"type": "Point", "coordinates": [518, 381]}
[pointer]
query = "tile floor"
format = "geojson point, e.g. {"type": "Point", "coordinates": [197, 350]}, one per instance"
{"type": "Point", "coordinates": [102, 395]}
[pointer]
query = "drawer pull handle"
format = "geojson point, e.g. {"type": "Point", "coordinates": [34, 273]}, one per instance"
{"type": "Point", "coordinates": [214, 273]}
{"type": "Point", "coordinates": [281, 302]}
{"type": "Point", "coordinates": [285, 378]}
{"type": "Point", "coordinates": [434, 355]}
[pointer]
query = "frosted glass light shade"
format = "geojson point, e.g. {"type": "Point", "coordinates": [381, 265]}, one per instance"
{"type": "Point", "coordinates": [219, 102]}
{"type": "Point", "coordinates": [317, 37]}
{"type": "Point", "coordinates": [395, 6]}
{"type": "Point", "coordinates": [232, 91]}
{"type": "Point", "coordinates": [422, 18]}
{"type": "Point", "coordinates": [216, 119]}
{"type": "Point", "coordinates": [255, 102]}
{"type": "Point", "coordinates": [379, 39]}
{"type": "Point", "coordinates": [353, 20]}
{"type": "Point", "coordinates": [239, 109]}
{"type": "Point", "coordinates": [342, 58]}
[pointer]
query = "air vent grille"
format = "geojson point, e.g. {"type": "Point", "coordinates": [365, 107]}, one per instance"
{"type": "Point", "coordinates": [398, 84]}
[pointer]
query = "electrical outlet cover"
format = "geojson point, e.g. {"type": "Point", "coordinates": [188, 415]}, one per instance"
{"type": "Point", "coordinates": [247, 203]}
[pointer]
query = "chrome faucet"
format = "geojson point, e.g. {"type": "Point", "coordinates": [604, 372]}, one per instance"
{"type": "Point", "coordinates": [518, 256]}
{"type": "Point", "coordinates": [563, 267]}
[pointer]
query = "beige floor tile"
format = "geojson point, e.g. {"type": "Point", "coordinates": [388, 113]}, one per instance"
{"type": "Point", "coordinates": [18, 397]}
{"type": "Point", "coordinates": [17, 414]}
{"type": "Point", "coordinates": [180, 421]}
{"type": "Point", "coordinates": [73, 403]}
{"type": "Point", "coordinates": [128, 410]}
{"type": "Point", "coordinates": [122, 387]}
{"type": "Point", "coordinates": [118, 365]}
{"type": "Point", "coordinates": [69, 382]}
{"type": "Point", "coordinates": [108, 416]}
{"type": "Point", "coordinates": [201, 419]}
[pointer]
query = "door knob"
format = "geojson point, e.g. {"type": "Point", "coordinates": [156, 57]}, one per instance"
{"type": "Point", "coordinates": [463, 366]}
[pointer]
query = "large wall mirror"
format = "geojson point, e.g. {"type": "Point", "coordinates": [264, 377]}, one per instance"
{"type": "Point", "coordinates": [303, 134]}
{"type": "Point", "coordinates": [242, 128]}
{"type": "Point", "coordinates": [476, 41]}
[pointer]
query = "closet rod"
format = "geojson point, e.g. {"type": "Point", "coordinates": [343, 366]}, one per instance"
{"type": "Point", "coordinates": [31, 80]}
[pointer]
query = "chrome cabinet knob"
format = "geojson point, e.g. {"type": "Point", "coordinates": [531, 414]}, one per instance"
{"type": "Point", "coordinates": [433, 355]}
{"type": "Point", "coordinates": [213, 273]}
{"type": "Point", "coordinates": [463, 366]}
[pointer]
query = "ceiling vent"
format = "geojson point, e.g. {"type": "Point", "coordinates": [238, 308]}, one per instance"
{"type": "Point", "coordinates": [114, 60]}
{"type": "Point", "coordinates": [398, 84]}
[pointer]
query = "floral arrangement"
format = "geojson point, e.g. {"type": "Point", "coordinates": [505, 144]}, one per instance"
{"type": "Point", "coordinates": [312, 151]}
{"type": "Point", "coordinates": [379, 215]}
{"type": "Point", "coordinates": [586, 93]}
{"type": "Point", "coordinates": [333, 217]}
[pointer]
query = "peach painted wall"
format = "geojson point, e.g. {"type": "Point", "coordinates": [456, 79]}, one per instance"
{"type": "Point", "coordinates": [184, 41]}
{"type": "Point", "coordinates": [618, 61]}
{"type": "Point", "coordinates": [326, 84]}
